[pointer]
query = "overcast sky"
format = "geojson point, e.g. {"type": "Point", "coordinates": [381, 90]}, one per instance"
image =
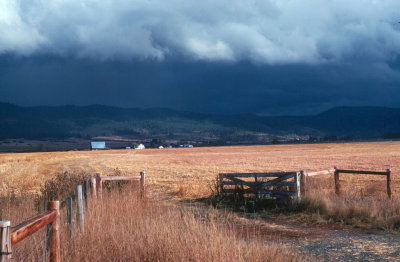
{"type": "Point", "coordinates": [225, 56]}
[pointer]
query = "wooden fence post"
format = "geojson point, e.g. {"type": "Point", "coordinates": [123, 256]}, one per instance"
{"type": "Point", "coordinates": [99, 185]}
{"type": "Point", "coordinates": [303, 182]}
{"type": "Point", "coordinates": [93, 188]}
{"type": "Point", "coordinates": [389, 183]}
{"type": "Point", "coordinates": [142, 185]}
{"type": "Point", "coordinates": [255, 180]}
{"type": "Point", "coordinates": [79, 207]}
{"type": "Point", "coordinates": [297, 186]}
{"type": "Point", "coordinates": [5, 241]}
{"type": "Point", "coordinates": [55, 254]}
{"type": "Point", "coordinates": [337, 183]}
{"type": "Point", "coordinates": [70, 216]}
{"type": "Point", "coordinates": [86, 193]}
{"type": "Point", "coordinates": [221, 183]}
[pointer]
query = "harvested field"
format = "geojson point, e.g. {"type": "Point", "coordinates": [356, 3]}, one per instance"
{"type": "Point", "coordinates": [185, 172]}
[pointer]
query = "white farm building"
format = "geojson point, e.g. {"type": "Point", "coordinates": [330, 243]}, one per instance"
{"type": "Point", "coordinates": [141, 146]}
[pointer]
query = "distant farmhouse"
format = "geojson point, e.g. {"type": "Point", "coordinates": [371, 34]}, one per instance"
{"type": "Point", "coordinates": [141, 146]}
{"type": "Point", "coordinates": [97, 145]}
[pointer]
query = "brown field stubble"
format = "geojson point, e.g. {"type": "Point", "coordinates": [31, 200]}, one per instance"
{"type": "Point", "coordinates": [186, 171]}
{"type": "Point", "coordinates": [172, 233]}
{"type": "Point", "coordinates": [123, 228]}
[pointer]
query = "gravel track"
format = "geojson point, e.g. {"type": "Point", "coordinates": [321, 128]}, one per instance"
{"type": "Point", "coordinates": [328, 242]}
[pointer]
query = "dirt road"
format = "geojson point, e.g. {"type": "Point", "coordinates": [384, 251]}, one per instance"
{"type": "Point", "coordinates": [328, 242]}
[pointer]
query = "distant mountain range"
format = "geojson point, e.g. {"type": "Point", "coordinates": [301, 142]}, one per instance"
{"type": "Point", "coordinates": [44, 122]}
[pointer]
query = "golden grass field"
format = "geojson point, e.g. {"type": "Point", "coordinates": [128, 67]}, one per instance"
{"type": "Point", "coordinates": [186, 171]}
{"type": "Point", "coordinates": [161, 231]}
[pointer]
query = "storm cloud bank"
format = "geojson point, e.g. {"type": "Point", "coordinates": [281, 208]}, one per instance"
{"type": "Point", "coordinates": [264, 32]}
{"type": "Point", "coordinates": [270, 57]}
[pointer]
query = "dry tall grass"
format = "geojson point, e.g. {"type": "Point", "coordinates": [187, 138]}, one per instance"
{"type": "Point", "coordinates": [123, 228]}
{"type": "Point", "coordinates": [363, 201]}
{"type": "Point", "coordinates": [377, 212]}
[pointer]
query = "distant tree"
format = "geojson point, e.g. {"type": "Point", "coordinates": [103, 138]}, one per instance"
{"type": "Point", "coordinates": [330, 138]}
{"type": "Point", "coordinates": [391, 136]}
{"type": "Point", "coordinates": [312, 139]}
{"type": "Point", "coordinates": [275, 141]}
{"type": "Point", "coordinates": [157, 141]}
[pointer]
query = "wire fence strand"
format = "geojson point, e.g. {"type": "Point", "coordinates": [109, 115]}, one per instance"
{"type": "Point", "coordinates": [46, 241]}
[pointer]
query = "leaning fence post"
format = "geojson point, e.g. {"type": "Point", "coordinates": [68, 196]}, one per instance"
{"type": "Point", "coordinates": [55, 254]}
{"type": "Point", "coordinates": [70, 216]}
{"type": "Point", "coordinates": [5, 241]}
{"type": "Point", "coordinates": [297, 186]}
{"type": "Point", "coordinates": [142, 185]}
{"type": "Point", "coordinates": [337, 183]}
{"type": "Point", "coordinates": [389, 182]}
{"type": "Point", "coordinates": [303, 182]}
{"type": "Point", "coordinates": [86, 193]}
{"type": "Point", "coordinates": [99, 185]}
{"type": "Point", "coordinates": [79, 207]}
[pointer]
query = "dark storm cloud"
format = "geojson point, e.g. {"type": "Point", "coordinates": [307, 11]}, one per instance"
{"type": "Point", "coordinates": [267, 32]}
{"type": "Point", "coordinates": [198, 86]}
{"type": "Point", "coordinates": [227, 56]}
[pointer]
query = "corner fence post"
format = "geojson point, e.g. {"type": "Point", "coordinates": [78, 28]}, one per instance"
{"type": "Point", "coordinates": [337, 183]}
{"type": "Point", "coordinates": [389, 182]}
{"type": "Point", "coordinates": [297, 186]}
{"type": "Point", "coordinates": [142, 185]}
{"type": "Point", "coordinates": [303, 182]}
{"type": "Point", "coordinates": [70, 216]}
{"type": "Point", "coordinates": [5, 241]}
{"type": "Point", "coordinates": [55, 254]}
{"type": "Point", "coordinates": [79, 207]}
{"type": "Point", "coordinates": [99, 186]}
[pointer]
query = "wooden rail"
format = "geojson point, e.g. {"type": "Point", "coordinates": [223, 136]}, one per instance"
{"type": "Point", "coordinates": [380, 173]}
{"type": "Point", "coordinates": [112, 178]}
{"type": "Point", "coordinates": [336, 171]}
{"type": "Point", "coordinates": [299, 184]}
{"type": "Point", "coordinates": [100, 179]}
{"type": "Point", "coordinates": [386, 173]}
{"type": "Point", "coordinates": [277, 174]}
{"type": "Point", "coordinates": [10, 236]}
{"type": "Point", "coordinates": [29, 227]}
{"type": "Point", "coordinates": [324, 172]}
